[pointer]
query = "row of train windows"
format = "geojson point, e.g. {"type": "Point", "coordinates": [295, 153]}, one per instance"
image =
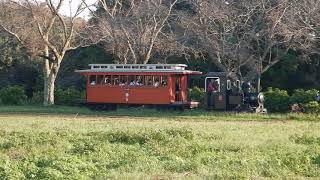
{"type": "Point", "coordinates": [132, 67]}
{"type": "Point", "coordinates": [122, 80]}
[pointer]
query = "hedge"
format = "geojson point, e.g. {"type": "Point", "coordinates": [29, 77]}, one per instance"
{"type": "Point", "coordinates": [13, 95]}
{"type": "Point", "coordinates": [277, 100]}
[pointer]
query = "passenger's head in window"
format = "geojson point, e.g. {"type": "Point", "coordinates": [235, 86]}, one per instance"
{"type": "Point", "coordinates": [122, 83]}
{"type": "Point", "coordinates": [156, 83]}
{"type": "Point", "coordinates": [107, 81]}
{"type": "Point", "coordinates": [132, 83]}
{"type": "Point", "coordinates": [164, 83]}
{"type": "Point", "coordinates": [116, 82]}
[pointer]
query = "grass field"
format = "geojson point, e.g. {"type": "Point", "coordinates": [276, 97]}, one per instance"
{"type": "Point", "coordinates": [75, 143]}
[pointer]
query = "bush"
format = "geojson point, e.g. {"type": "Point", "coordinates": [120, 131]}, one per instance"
{"type": "Point", "coordinates": [69, 96]}
{"type": "Point", "coordinates": [301, 96]}
{"type": "Point", "coordinates": [277, 100]}
{"type": "Point", "coordinates": [37, 98]}
{"type": "Point", "coordinates": [196, 94]}
{"type": "Point", "coordinates": [13, 95]}
{"type": "Point", "coordinates": [312, 107]}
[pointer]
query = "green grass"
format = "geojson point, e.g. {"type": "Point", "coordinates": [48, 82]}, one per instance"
{"type": "Point", "coordinates": [193, 115]}
{"type": "Point", "coordinates": [75, 143]}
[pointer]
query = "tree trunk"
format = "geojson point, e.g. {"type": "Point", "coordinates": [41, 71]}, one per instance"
{"type": "Point", "coordinates": [49, 87]}
{"type": "Point", "coordinates": [259, 83]}
{"type": "Point", "coordinates": [46, 72]}
{"type": "Point", "coordinates": [50, 72]}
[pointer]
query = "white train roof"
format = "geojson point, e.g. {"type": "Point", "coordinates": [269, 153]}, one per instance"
{"type": "Point", "coordinates": [171, 68]}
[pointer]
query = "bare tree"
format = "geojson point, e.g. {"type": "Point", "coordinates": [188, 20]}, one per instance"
{"type": "Point", "coordinates": [304, 17]}
{"type": "Point", "coordinates": [41, 28]}
{"type": "Point", "coordinates": [136, 31]}
{"type": "Point", "coordinates": [250, 35]}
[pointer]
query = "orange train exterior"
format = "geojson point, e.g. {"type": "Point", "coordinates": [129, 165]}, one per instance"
{"type": "Point", "coordinates": [150, 84]}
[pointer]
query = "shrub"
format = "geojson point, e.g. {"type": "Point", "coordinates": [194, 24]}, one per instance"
{"type": "Point", "coordinates": [301, 96]}
{"type": "Point", "coordinates": [37, 98]}
{"type": "Point", "coordinates": [196, 94]}
{"type": "Point", "coordinates": [69, 96]}
{"type": "Point", "coordinates": [277, 100]}
{"type": "Point", "coordinates": [13, 95]}
{"type": "Point", "coordinates": [312, 107]}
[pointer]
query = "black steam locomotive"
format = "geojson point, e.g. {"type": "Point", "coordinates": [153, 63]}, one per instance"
{"type": "Point", "coordinates": [226, 91]}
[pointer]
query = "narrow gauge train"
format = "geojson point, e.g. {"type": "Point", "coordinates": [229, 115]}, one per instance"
{"type": "Point", "coordinates": [163, 85]}
{"type": "Point", "coordinates": [109, 85]}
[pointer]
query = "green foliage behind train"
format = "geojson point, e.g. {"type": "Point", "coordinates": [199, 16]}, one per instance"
{"type": "Point", "coordinates": [196, 94]}
{"type": "Point", "coordinates": [277, 100]}
{"type": "Point", "coordinates": [13, 95]}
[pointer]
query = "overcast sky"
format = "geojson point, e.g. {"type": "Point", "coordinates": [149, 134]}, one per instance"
{"type": "Point", "coordinates": [65, 9]}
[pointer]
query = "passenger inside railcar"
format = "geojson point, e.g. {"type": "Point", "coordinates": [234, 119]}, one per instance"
{"type": "Point", "coordinates": [139, 81]}
{"type": "Point", "coordinates": [93, 80]}
{"type": "Point", "coordinates": [122, 83]}
{"type": "Point", "coordinates": [99, 79]}
{"type": "Point", "coordinates": [132, 83]}
{"type": "Point", "coordinates": [107, 80]}
{"type": "Point", "coordinates": [156, 83]}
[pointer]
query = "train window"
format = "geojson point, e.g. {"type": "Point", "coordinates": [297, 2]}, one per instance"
{"type": "Point", "coordinates": [156, 81]}
{"type": "Point", "coordinates": [139, 81]}
{"type": "Point", "coordinates": [93, 80]}
{"type": "Point", "coordinates": [238, 85]}
{"type": "Point", "coordinates": [99, 79]}
{"type": "Point", "coordinates": [123, 80]}
{"type": "Point", "coordinates": [159, 67]}
{"type": "Point", "coordinates": [212, 84]}
{"type": "Point", "coordinates": [107, 80]}
{"type": "Point", "coordinates": [228, 84]}
{"type": "Point", "coordinates": [115, 80]}
{"type": "Point", "coordinates": [148, 80]}
{"type": "Point", "coordinates": [143, 67]}
{"type": "Point", "coordinates": [127, 67]}
{"type": "Point", "coordinates": [135, 67]}
{"type": "Point", "coordinates": [164, 81]}
{"type": "Point", "coordinates": [132, 80]}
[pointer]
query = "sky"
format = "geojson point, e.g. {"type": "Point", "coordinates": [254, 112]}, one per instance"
{"type": "Point", "coordinates": [65, 9]}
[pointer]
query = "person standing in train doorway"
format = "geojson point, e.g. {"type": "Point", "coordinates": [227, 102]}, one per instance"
{"type": "Point", "coordinates": [210, 89]}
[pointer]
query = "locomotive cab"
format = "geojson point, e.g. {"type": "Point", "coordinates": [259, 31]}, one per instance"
{"type": "Point", "coordinates": [225, 91]}
{"type": "Point", "coordinates": [215, 95]}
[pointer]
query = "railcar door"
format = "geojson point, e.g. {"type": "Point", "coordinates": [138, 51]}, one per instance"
{"type": "Point", "coordinates": [180, 84]}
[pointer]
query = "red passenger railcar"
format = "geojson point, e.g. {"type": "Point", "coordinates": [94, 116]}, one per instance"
{"type": "Point", "coordinates": [150, 84]}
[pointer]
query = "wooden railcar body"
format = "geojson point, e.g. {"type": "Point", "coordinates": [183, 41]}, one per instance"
{"type": "Point", "coordinates": [151, 84]}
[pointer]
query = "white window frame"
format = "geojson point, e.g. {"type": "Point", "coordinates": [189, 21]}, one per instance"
{"type": "Point", "coordinates": [229, 84]}
{"type": "Point", "coordinates": [238, 84]}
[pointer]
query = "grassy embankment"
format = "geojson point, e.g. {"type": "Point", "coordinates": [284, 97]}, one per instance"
{"type": "Point", "coordinates": [59, 142]}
